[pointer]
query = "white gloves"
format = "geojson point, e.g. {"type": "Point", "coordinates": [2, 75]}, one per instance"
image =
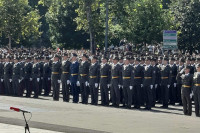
{"type": "Point", "coordinates": [10, 80]}
{"type": "Point", "coordinates": [1, 80]}
{"type": "Point", "coordinates": [78, 83]}
{"type": "Point", "coordinates": [131, 87]}
{"type": "Point", "coordinates": [49, 78]}
{"type": "Point", "coordinates": [96, 85]}
{"type": "Point", "coordinates": [108, 85]}
{"type": "Point", "coordinates": [174, 84]}
{"type": "Point", "coordinates": [86, 83]}
{"type": "Point", "coordinates": [119, 86]}
{"type": "Point", "coordinates": [41, 77]}
{"type": "Point", "coordinates": [168, 86]}
{"type": "Point", "coordinates": [141, 85]}
{"type": "Point", "coordinates": [191, 94]}
{"type": "Point", "coordinates": [68, 82]}
{"type": "Point", "coordinates": [38, 79]}
{"type": "Point", "coordinates": [59, 81]}
{"type": "Point", "coordinates": [19, 80]}
{"type": "Point", "coordinates": [156, 85]}
{"type": "Point", "coordinates": [31, 79]}
{"type": "Point", "coordinates": [151, 86]}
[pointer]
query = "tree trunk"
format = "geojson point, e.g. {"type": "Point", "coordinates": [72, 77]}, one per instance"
{"type": "Point", "coordinates": [88, 11]}
{"type": "Point", "coordinates": [9, 42]}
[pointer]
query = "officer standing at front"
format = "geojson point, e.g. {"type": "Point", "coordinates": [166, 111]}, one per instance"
{"type": "Point", "coordinates": [65, 77]}
{"type": "Point", "coordinates": [187, 81]}
{"type": "Point", "coordinates": [74, 69]}
{"type": "Point", "coordinates": [116, 82]}
{"type": "Point", "coordinates": [84, 78]}
{"type": "Point", "coordinates": [55, 77]}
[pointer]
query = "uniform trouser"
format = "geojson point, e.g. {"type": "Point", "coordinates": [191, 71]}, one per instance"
{"type": "Point", "coordinates": [35, 87]}
{"type": "Point", "coordinates": [148, 96]}
{"type": "Point", "coordinates": [84, 93]}
{"type": "Point", "coordinates": [172, 94]}
{"type": "Point", "coordinates": [142, 95]}
{"type": "Point", "coordinates": [75, 92]}
{"type": "Point", "coordinates": [2, 89]}
{"type": "Point", "coordinates": [158, 93]}
{"type": "Point", "coordinates": [165, 95]}
{"type": "Point", "coordinates": [28, 87]}
{"type": "Point", "coordinates": [115, 94]}
{"type": "Point", "coordinates": [56, 89]}
{"type": "Point", "coordinates": [187, 103]}
{"type": "Point", "coordinates": [94, 94]}
{"type": "Point", "coordinates": [121, 95]}
{"type": "Point", "coordinates": [46, 86]}
{"type": "Point", "coordinates": [104, 94]}
{"type": "Point", "coordinates": [128, 96]}
{"type": "Point", "coordinates": [196, 92]}
{"type": "Point", "coordinates": [179, 100]}
{"type": "Point", "coordinates": [137, 95]}
{"type": "Point", "coordinates": [22, 86]}
{"type": "Point", "coordinates": [16, 86]}
{"type": "Point", "coordinates": [7, 84]}
{"type": "Point", "coordinates": [40, 86]}
{"type": "Point", "coordinates": [65, 91]}
{"type": "Point", "coordinates": [154, 96]}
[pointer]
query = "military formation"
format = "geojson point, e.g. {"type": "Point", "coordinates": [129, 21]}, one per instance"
{"type": "Point", "coordinates": [114, 78]}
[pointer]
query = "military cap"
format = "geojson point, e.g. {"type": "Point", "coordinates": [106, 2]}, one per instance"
{"type": "Point", "coordinates": [137, 59]}
{"type": "Point", "coordinates": [74, 54]}
{"type": "Point", "coordinates": [187, 67]}
{"type": "Point", "coordinates": [95, 57]}
{"type": "Point", "coordinates": [127, 58]}
{"type": "Point", "coordinates": [182, 60]}
{"type": "Point", "coordinates": [172, 58]}
{"type": "Point", "coordinates": [104, 57]}
{"type": "Point", "coordinates": [166, 59]}
{"type": "Point", "coordinates": [198, 65]}
{"type": "Point", "coordinates": [84, 55]}
{"type": "Point", "coordinates": [115, 58]}
{"type": "Point", "coordinates": [148, 58]}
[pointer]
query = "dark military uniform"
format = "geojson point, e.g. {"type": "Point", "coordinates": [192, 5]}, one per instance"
{"type": "Point", "coordinates": [94, 72]}
{"type": "Point", "coordinates": [165, 82]}
{"type": "Point", "coordinates": [138, 75]}
{"type": "Point", "coordinates": [157, 88]}
{"type": "Point", "coordinates": [16, 79]}
{"type": "Point", "coordinates": [46, 79]}
{"type": "Point", "coordinates": [7, 78]}
{"type": "Point", "coordinates": [83, 79]}
{"type": "Point", "coordinates": [27, 78]}
{"type": "Point", "coordinates": [55, 77]}
{"type": "Point", "coordinates": [35, 79]}
{"type": "Point", "coordinates": [105, 77]}
{"type": "Point", "coordinates": [148, 83]}
{"type": "Point", "coordinates": [128, 92]}
{"type": "Point", "coordinates": [187, 81]}
{"type": "Point", "coordinates": [64, 78]}
{"type": "Point", "coordinates": [196, 91]}
{"type": "Point", "coordinates": [116, 82]}
{"type": "Point", "coordinates": [179, 84]}
{"type": "Point", "coordinates": [74, 69]}
{"type": "Point", "coordinates": [41, 77]}
{"type": "Point", "coordinates": [172, 90]}
{"type": "Point", "coordinates": [22, 81]}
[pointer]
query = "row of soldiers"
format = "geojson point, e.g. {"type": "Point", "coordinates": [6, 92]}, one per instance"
{"type": "Point", "coordinates": [125, 80]}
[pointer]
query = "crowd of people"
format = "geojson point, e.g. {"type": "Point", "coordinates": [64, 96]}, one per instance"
{"type": "Point", "coordinates": [121, 78]}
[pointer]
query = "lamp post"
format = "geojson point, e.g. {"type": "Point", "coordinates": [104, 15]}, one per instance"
{"type": "Point", "coordinates": [106, 37]}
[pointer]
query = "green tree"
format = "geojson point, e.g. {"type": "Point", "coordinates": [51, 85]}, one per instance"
{"type": "Point", "coordinates": [18, 21]}
{"type": "Point", "coordinates": [187, 21]}
{"type": "Point", "coordinates": [62, 27]}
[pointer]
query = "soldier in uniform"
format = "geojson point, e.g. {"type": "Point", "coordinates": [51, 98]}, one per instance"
{"type": "Point", "coordinates": [74, 69]}
{"type": "Point", "coordinates": [180, 71]}
{"type": "Point", "coordinates": [116, 82]}
{"type": "Point", "coordinates": [196, 90]}
{"type": "Point", "coordinates": [65, 77]}
{"type": "Point", "coordinates": [84, 78]}
{"type": "Point", "coordinates": [166, 74]}
{"type": "Point", "coordinates": [94, 73]}
{"type": "Point", "coordinates": [41, 63]}
{"type": "Point", "coordinates": [46, 77]}
{"type": "Point", "coordinates": [187, 81]}
{"type": "Point", "coordinates": [148, 83]}
{"type": "Point", "coordinates": [173, 84]}
{"type": "Point", "coordinates": [16, 78]}
{"type": "Point", "coordinates": [138, 75]}
{"type": "Point", "coordinates": [8, 75]}
{"type": "Point", "coordinates": [127, 88]}
{"type": "Point", "coordinates": [27, 76]}
{"type": "Point", "coordinates": [105, 77]}
{"type": "Point", "coordinates": [35, 76]}
{"type": "Point", "coordinates": [55, 77]}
